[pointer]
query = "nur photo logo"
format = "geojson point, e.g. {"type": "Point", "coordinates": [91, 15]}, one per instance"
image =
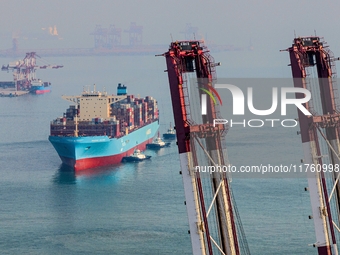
{"type": "Point", "coordinates": [279, 99]}
{"type": "Point", "coordinates": [211, 91]}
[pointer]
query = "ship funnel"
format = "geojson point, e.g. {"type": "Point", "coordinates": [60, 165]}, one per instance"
{"type": "Point", "coordinates": [121, 90]}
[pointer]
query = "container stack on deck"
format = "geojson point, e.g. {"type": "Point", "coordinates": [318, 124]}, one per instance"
{"type": "Point", "coordinates": [138, 113]}
{"type": "Point", "coordinates": [125, 116]}
{"type": "Point", "coordinates": [152, 107]}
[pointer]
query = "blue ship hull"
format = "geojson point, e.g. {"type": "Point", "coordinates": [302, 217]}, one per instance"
{"type": "Point", "coordinates": [93, 151]}
{"type": "Point", "coordinates": [40, 89]}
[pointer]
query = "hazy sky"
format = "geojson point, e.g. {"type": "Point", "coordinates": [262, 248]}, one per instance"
{"type": "Point", "coordinates": [268, 24]}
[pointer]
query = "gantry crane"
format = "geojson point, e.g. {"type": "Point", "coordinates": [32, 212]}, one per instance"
{"type": "Point", "coordinates": [308, 55]}
{"type": "Point", "coordinates": [24, 70]}
{"type": "Point", "coordinates": [214, 224]}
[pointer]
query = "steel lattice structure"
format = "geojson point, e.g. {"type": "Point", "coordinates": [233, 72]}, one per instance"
{"type": "Point", "coordinates": [215, 227]}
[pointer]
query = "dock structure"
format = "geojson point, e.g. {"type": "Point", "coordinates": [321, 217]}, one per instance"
{"type": "Point", "coordinates": [11, 92]}
{"type": "Point", "coordinates": [108, 42]}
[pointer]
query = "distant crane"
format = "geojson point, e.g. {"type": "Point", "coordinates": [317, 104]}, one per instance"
{"type": "Point", "coordinates": [100, 36]}
{"type": "Point", "coordinates": [320, 135]}
{"type": "Point", "coordinates": [190, 32]}
{"type": "Point", "coordinates": [135, 34]}
{"type": "Point", "coordinates": [24, 70]}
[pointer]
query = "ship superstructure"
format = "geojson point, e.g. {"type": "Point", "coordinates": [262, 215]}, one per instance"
{"type": "Point", "coordinates": [100, 129]}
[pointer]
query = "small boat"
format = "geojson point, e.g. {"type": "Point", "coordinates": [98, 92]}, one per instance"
{"type": "Point", "coordinates": [157, 143]}
{"type": "Point", "coordinates": [170, 134]}
{"type": "Point", "coordinates": [136, 157]}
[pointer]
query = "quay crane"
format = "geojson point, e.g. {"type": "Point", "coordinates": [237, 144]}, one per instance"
{"type": "Point", "coordinates": [24, 72]}
{"type": "Point", "coordinates": [214, 223]}
{"type": "Point", "coordinates": [313, 68]}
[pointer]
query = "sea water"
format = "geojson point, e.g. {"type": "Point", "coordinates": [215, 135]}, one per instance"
{"type": "Point", "coordinates": [135, 208]}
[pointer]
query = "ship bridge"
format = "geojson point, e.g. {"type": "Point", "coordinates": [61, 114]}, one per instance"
{"type": "Point", "coordinates": [94, 104]}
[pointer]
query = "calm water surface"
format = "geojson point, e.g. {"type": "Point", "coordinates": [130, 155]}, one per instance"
{"type": "Point", "coordinates": [133, 208]}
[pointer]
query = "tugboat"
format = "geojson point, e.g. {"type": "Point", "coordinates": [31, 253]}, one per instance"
{"type": "Point", "coordinates": [157, 143]}
{"type": "Point", "coordinates": [170, 134]}
{"type": "Point", "coordinates": [137, 156]}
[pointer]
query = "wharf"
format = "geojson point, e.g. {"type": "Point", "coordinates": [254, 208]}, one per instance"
{"type": "Point", "coordinates": [11, 92]}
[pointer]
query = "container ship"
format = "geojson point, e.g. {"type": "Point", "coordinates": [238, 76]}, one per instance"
{"type": "Point", "coordinates": [40, 87]}
{"type": "Point", "coordinates": [100, 129]}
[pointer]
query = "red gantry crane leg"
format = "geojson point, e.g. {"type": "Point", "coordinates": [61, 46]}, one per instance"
{"type": "Point", "coordinates": [310, 53]}
{"type": "Point", "coordinates": [211, 209]}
